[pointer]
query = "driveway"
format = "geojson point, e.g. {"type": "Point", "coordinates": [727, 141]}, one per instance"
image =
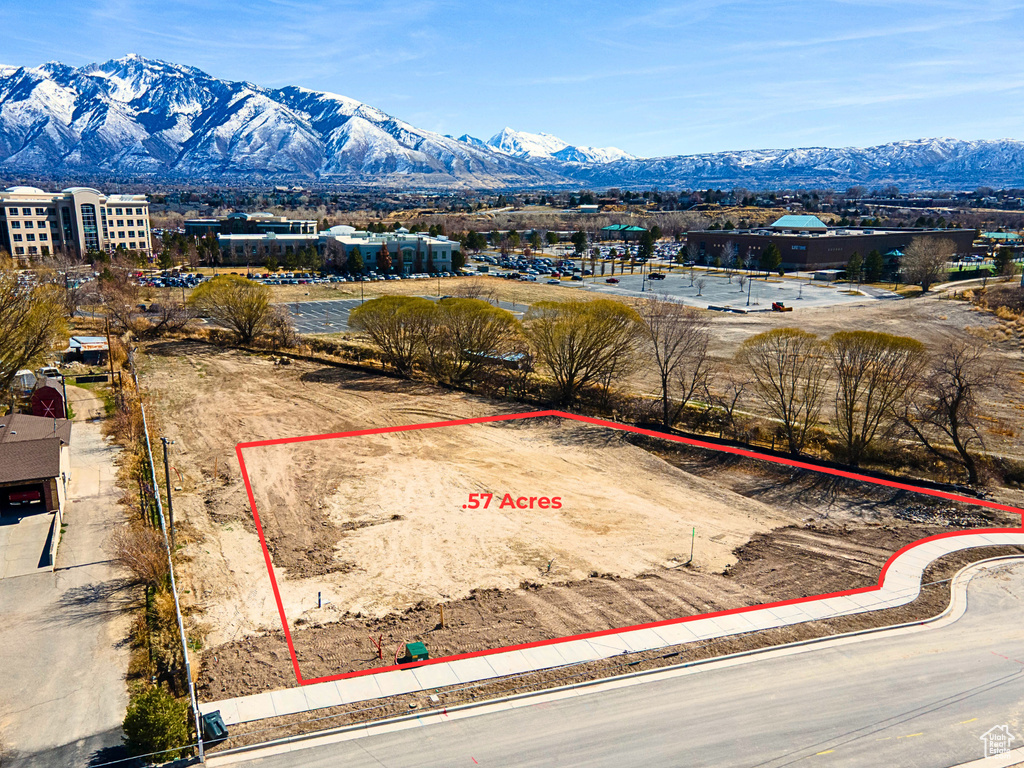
{"type": "Point", "coordinates": [24, 543]}
{"type": "Point", "coordinates": [63, 653]}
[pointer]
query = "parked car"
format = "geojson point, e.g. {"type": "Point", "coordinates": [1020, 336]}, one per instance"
{"type": "Point", "coordinates": [554, 282]}
{"type": "Point", "coordinates": [656, 276]}
{"type": "Point", "coordinates": [607, 280]}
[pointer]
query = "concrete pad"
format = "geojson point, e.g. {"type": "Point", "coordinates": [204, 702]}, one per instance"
{"type": "Point", "coordinates": [24, 544]}
{"type": "Point", "coordinates": [255, 707]}
{"type": "Point", "coordinates": [397, 682]}
{"type": "Point", "coordinates": [543, 657]}
{"type": "Point", "coordinates": [787, 612]}
{"type": "Point", "coordinates": [359, 688]}
{"type": "Point", "coordinates": [289, 701]}
{"type": "Point", "coordinates": [435, 676]}
{"type": "Point", "coordinates": [320, 695]}
{"type": "Point", "coordinates": [471, 670]}
{"type": "Point", "coordinates": [228, 710]}
{"type": "Point", "coordinates": [676, 634]}
{"type": "Point", "coordinates": [576, 651]}
{"type": "Point", "coordinates": [610, 645]}
{"type": "Point", "coordinates": [733, 624]}
{"type": "Point", "coordinates": [642, 639]}
{"type": "Point", "coordinates": [508, 663]}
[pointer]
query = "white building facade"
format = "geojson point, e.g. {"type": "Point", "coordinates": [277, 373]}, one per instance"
{"type": "Point", "coordinates": [78, 220]}
{"type": "Point", "coordinates": [408, 252]}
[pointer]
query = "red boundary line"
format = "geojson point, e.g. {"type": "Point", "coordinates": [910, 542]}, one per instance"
{"type": "Point", "coordinates": [624, 428]}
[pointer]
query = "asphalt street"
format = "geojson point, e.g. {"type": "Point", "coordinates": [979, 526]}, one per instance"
{"type": "Point", "coordinates": [921, 700]}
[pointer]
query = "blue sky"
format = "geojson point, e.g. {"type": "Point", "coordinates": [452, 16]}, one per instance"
{"type": "Point", "coordinates": [653, 78]}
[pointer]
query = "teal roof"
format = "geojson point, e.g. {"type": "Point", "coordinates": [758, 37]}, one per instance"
{"type": "Point", "coordinates": [1001, 235]}
{"type": "Point", "coordinates": [799, 222]}
{"type": "Point", "coordinates": [613, 227]}
{"type": "Point", "coordinates": [633, 229]}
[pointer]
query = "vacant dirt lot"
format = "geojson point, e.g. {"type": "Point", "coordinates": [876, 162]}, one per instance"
{"type": "Point", "coordinates": [377, 526]}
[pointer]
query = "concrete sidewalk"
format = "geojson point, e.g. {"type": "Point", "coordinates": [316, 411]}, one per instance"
{"type": "Point", "coordinates": [902, 584]}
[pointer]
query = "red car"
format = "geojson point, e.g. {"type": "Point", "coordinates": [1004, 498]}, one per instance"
{"type": "Point", "coordinates": [612, 280]}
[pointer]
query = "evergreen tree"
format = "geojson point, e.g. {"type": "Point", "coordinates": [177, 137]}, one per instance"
{"type": "Point", "coordinates": [355, 261]}
{"type": "Point", "coordinates": [853, 268]}
{"type": "Point", "coordinates": [873, 267]}
{"type": "Point", "coordinates": [771, 259]}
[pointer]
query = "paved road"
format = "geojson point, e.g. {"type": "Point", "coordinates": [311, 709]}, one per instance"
{"type": "Point", "coordinates": [918, 700]}
{"type": "Point", "coordinates": [62, 655]}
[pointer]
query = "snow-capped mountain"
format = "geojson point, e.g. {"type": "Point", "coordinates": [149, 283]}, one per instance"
{"type": "Point", "coordinates": [916, 164]}
{"type": "Point", "coordinates": [134, 118]}
{"type": "Point", "coordinates": [139, 117]}
{"type": "Point", "coordinates": [544, 146]}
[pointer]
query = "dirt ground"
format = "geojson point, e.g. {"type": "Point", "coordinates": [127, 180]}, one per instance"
{"type": "Point", "coordinates": [330, 515]}
{"type": "Point", "coordinates": [378, 523]}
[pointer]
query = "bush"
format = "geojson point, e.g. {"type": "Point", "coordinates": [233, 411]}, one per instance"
{"type": "Point", "coordinates": [141, 551]}
{"type": "Point", "coordinates": [156, 722]}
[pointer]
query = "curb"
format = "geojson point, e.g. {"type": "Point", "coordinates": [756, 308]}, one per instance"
{"type": "Point", "coordinates": [953, 612]}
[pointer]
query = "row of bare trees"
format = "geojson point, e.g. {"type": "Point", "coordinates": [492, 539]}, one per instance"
{"type": "Point", "coordinates": [883, 387]}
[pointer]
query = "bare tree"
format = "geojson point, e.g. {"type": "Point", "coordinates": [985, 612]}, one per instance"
{"type": "Point", "coordinates": [728, 256]}
{"type": "Point", "coordinates": [873, 374]}
{"type": "Point", "coordinates": [393, 324]}
{"type": "Point", "coordinates": [580, 341]}
{"type": "Point", "coordinates": [678, 338]}
{"type": "Point", "coordinates": [238, 303]}
{"type": "Point", "coordinates": [140, 550]}
{"type": "Point", "coordinates": [945, 406]}
{"type": "Point", "coordinates": [742, 280]}
{"type": "Point", "coordinates": [788, 370]}
{"type": "Point", "coordinates": [726, 393]}
{"type": "Point", "coordinates": [926, 261]}
{"type": "Point", "coordinates": [700, 283]}
{"type": "Point", "coordinates": [32, 322]}
{"type": "Point", "coordinates": [692, 251]}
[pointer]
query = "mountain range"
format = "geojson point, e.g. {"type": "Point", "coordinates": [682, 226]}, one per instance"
{"type": "Point", "coordinates": [136, 118]}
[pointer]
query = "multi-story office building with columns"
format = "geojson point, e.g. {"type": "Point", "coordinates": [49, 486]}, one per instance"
{"type": "Point", "coordinates": [78, 219]}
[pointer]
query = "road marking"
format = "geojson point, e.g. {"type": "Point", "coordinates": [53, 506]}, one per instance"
{"type": "Point", "coordinates": [972, 720]}
{"type": "Point", "coordinates": [910, 736]}
{"type": "Point", "coordinates": [826, 752]}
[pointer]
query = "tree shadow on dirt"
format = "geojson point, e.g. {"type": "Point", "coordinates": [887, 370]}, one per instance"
{"type": "Point", "coordinates": [359, 381]}
{"type": "Point", "coordinates": [185, 347]}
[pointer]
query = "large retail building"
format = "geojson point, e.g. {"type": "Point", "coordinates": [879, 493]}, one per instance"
{"type": "Point", "coordinates": [807, 243]}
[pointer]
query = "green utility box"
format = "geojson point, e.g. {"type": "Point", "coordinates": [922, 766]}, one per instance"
{"type": "Point", "coordinates": [415, 652]}
{"type": "Point", "coordinates": [214, 730]}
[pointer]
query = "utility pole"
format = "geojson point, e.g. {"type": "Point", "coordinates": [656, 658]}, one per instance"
{"type": "Point", "coordinates": [167, 479]}
{"type": "Point", "coordinates": [749, 284]}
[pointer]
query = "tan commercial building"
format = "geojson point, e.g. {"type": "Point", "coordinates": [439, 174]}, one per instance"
{"type": "Point", "coordinates": [80, 220]}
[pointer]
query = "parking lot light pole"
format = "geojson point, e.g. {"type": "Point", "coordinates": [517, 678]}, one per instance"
{"type": "Point", "coordinates": [167, 480]}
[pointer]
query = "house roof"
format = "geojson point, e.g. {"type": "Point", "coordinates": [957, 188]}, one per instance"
{"type": "Point", "coordinates": [30, 447]}
{"type": "Point", "coordinates": [799, 222]}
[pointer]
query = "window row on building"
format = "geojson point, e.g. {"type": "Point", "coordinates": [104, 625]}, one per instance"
{"type": "Point", "coordinates": [81, 220]}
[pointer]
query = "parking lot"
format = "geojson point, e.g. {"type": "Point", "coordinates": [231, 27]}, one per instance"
{"type": "Point", "coordinates": [321, 316]}
{"type": "Point", "coordinates": [718, 291]}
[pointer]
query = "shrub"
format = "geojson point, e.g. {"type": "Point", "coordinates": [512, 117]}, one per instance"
{"type": "Point", "coordinates": [156, 722]}
{"type": "Point", "coordinates": [140, 550]}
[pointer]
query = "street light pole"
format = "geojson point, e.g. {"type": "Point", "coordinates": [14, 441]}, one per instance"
{"type": "Point", "coordinates": [167, 479]}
